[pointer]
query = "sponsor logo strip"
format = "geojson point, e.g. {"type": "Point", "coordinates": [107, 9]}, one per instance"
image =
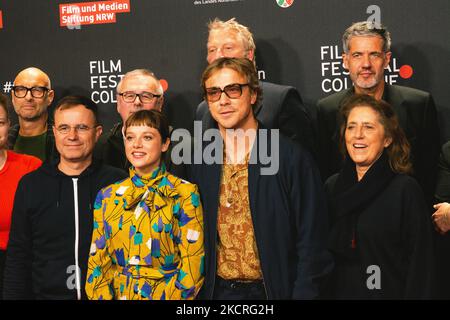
{"type": "Point", "coordinates": [96, 12]}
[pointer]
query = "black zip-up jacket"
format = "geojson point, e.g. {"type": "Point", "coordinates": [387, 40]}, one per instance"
{"type": "Point", "coordinates": [51, 232]}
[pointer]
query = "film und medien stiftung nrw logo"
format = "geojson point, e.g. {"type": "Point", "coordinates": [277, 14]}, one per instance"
{"type": "Point", "coordinates": [285, 3]}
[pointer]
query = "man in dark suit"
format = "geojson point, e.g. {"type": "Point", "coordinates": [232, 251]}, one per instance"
{"type": "Point", "coordinates": [366, 54]}
{"type": "Point", "coordinates": [281, 106]}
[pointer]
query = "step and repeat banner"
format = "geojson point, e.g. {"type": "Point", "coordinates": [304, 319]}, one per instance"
{"type": "Point", "coordinates": [87, 46]}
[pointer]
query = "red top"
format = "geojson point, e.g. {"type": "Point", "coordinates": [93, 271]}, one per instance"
{"type": "Point", "coordinates": [16, 166]}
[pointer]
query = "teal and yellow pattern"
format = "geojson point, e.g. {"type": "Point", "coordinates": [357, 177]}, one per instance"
{"type": "Point", "coordinates": [147, 241]}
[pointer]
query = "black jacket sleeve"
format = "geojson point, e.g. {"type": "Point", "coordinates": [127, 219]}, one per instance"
{"type": "Point", "coordinates": [17, 274]}
{"type": "Point", "coordinates": [418, 235]}
{"type": "Point", "coordinates": [428, 149]}
{"type": "Point", "coordinates": [309, 204]}
{"type": "Point", "coordinates": [442, 193]}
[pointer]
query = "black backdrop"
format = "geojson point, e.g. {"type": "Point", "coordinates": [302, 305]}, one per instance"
{"type": "Point", "coordinates": [294, 46]}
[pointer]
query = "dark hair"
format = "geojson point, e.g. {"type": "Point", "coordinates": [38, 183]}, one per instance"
{"type": "Point", "coordinates": [72, 101]}
{"type": "Point", "coordinates": [242, 66]}
{"type": "Point", "coordinates": [152, 119]}
{"type": "Point", "coordinates": [399, 150]}
{"type": "Point", "coordinates": [4, 104]}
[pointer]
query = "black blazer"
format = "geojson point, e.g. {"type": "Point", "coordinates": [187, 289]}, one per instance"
{"type": "Point", "coordinates": [417, 116]}
{"type": "Point", "coordinates": [281, 108]}
{"type": "Point", "coordinates": [443, 178]}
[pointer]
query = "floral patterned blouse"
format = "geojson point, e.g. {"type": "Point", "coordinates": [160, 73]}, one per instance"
{"type": "Point", "coordinates": [147, 241]}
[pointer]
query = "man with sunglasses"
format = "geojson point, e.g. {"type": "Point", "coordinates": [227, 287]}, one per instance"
{"type": "Point", "coordinates": [31, 96]}
{"type": "Point", "coordinates": [265, 230]}
{"type": "Point", "coordinates": [281, 107]}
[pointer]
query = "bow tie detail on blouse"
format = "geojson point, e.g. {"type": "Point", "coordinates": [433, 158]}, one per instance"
{"type": "Point", "coordinates": [149, 191]}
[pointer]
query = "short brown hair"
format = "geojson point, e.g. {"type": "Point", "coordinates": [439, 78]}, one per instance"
{"type": "Point", "coordinates": [152, 119]}
{"type": "Point", "coordinates": [4, 104]}
{"type": "Point", "coordinates": [398, 151]}
{"type": "Point", "coordinates": [242, 66]}
{"type": "Point", "coordinates": [71, 101]}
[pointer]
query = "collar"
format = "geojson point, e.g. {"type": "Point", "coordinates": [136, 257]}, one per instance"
{"type": "Point", "coordinates": [349, 199]}
{"type": "Point", "coordinates": [149, 192]}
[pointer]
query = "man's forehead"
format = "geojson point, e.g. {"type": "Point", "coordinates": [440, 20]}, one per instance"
{"type": "Point", "coordinates": [71, 113]}
{"type": "Point", "coordinates": [367, 39]}
{"type": "Point", "coordinates": [225, 75]}
{"type": "Point", "coordinates": [223, 35]}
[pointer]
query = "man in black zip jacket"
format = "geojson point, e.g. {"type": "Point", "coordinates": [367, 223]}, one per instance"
{"type": "Point", "coordinates": [52, 216]}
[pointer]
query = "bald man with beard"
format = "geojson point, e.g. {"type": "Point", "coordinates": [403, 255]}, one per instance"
{"type": "Point", "coordinates": [31, 96]}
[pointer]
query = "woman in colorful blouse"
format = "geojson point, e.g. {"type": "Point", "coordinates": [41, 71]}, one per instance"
{"type": "Point", "coordinates": [147, 241]}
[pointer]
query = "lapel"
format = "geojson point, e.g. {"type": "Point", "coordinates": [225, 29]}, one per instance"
{"type": "Point", "coordinates": [254, 169]}
{"type": "Point", "coordinates": [337, 119]}
{"type": "Point", "coordinates": [394, 97]}
{"type": "Point", "coordinates": [211, 175]}
{"type": "Point", "coordinates": [257, 109]}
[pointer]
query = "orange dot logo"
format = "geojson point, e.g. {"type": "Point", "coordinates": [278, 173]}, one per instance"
{"type": "Point", "coordinates": [285, 3]}
{"type": "Point", "coordinates": [406, 71]}
{"type": "Point", "coordinates": [164, 84]}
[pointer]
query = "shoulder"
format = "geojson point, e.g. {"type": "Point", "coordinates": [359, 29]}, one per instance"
{"type": "Point", "coordinates": [332, 102]}
{"type": "Point", "coordinates": [291, 153]}
{"type": "Point", "coordinates": [275, 91]}
{"type": "Point", "coordinates": [408, 96]}
{"type": "Point", "coordinates": [110, 172]}
{"type": "Point", "coordinates": [13, 132]}
{"type": "Point", "coordinates": [24, 159]}
{"type": "Point", "coordinates": [330, 183]}
{"type": "Point", "coordinates": [202, 106]}
{"type": "Point", "coordinates": [104, 175]}
{"type": "Point", "coordinates": [446, 151]}
{"type": "Point", "coordinates": [407, 186]}
{"type": "Point", "coordinates": [274, 87]}
{"type": "Point", "coordinates": [409, 92]}
{"type": "Point", "coordinates": [115, 189]}
{"type": "Point", "coordinates": [114, 132]}
{"type": "Point", "coordinates": [183, 187]}
{"type": "Point", "coordinates": [37, 178]}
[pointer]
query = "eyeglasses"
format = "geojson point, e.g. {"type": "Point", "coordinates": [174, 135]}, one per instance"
{"type": "Point", "coordinates": [36, 92]}
{"type": "Point", "coordinates": [79, 128]}
{"type": "Point", "coordinates": [233, 91]}
{"type": "Point", "coordinates": [144, 97]}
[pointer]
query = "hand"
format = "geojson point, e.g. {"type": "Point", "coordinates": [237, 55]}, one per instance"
{"type": "Point", "coordinates": [441, 217]}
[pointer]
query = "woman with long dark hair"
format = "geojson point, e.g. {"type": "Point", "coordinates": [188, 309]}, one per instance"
{"type": "Point", "coordinates": [381, 234]}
